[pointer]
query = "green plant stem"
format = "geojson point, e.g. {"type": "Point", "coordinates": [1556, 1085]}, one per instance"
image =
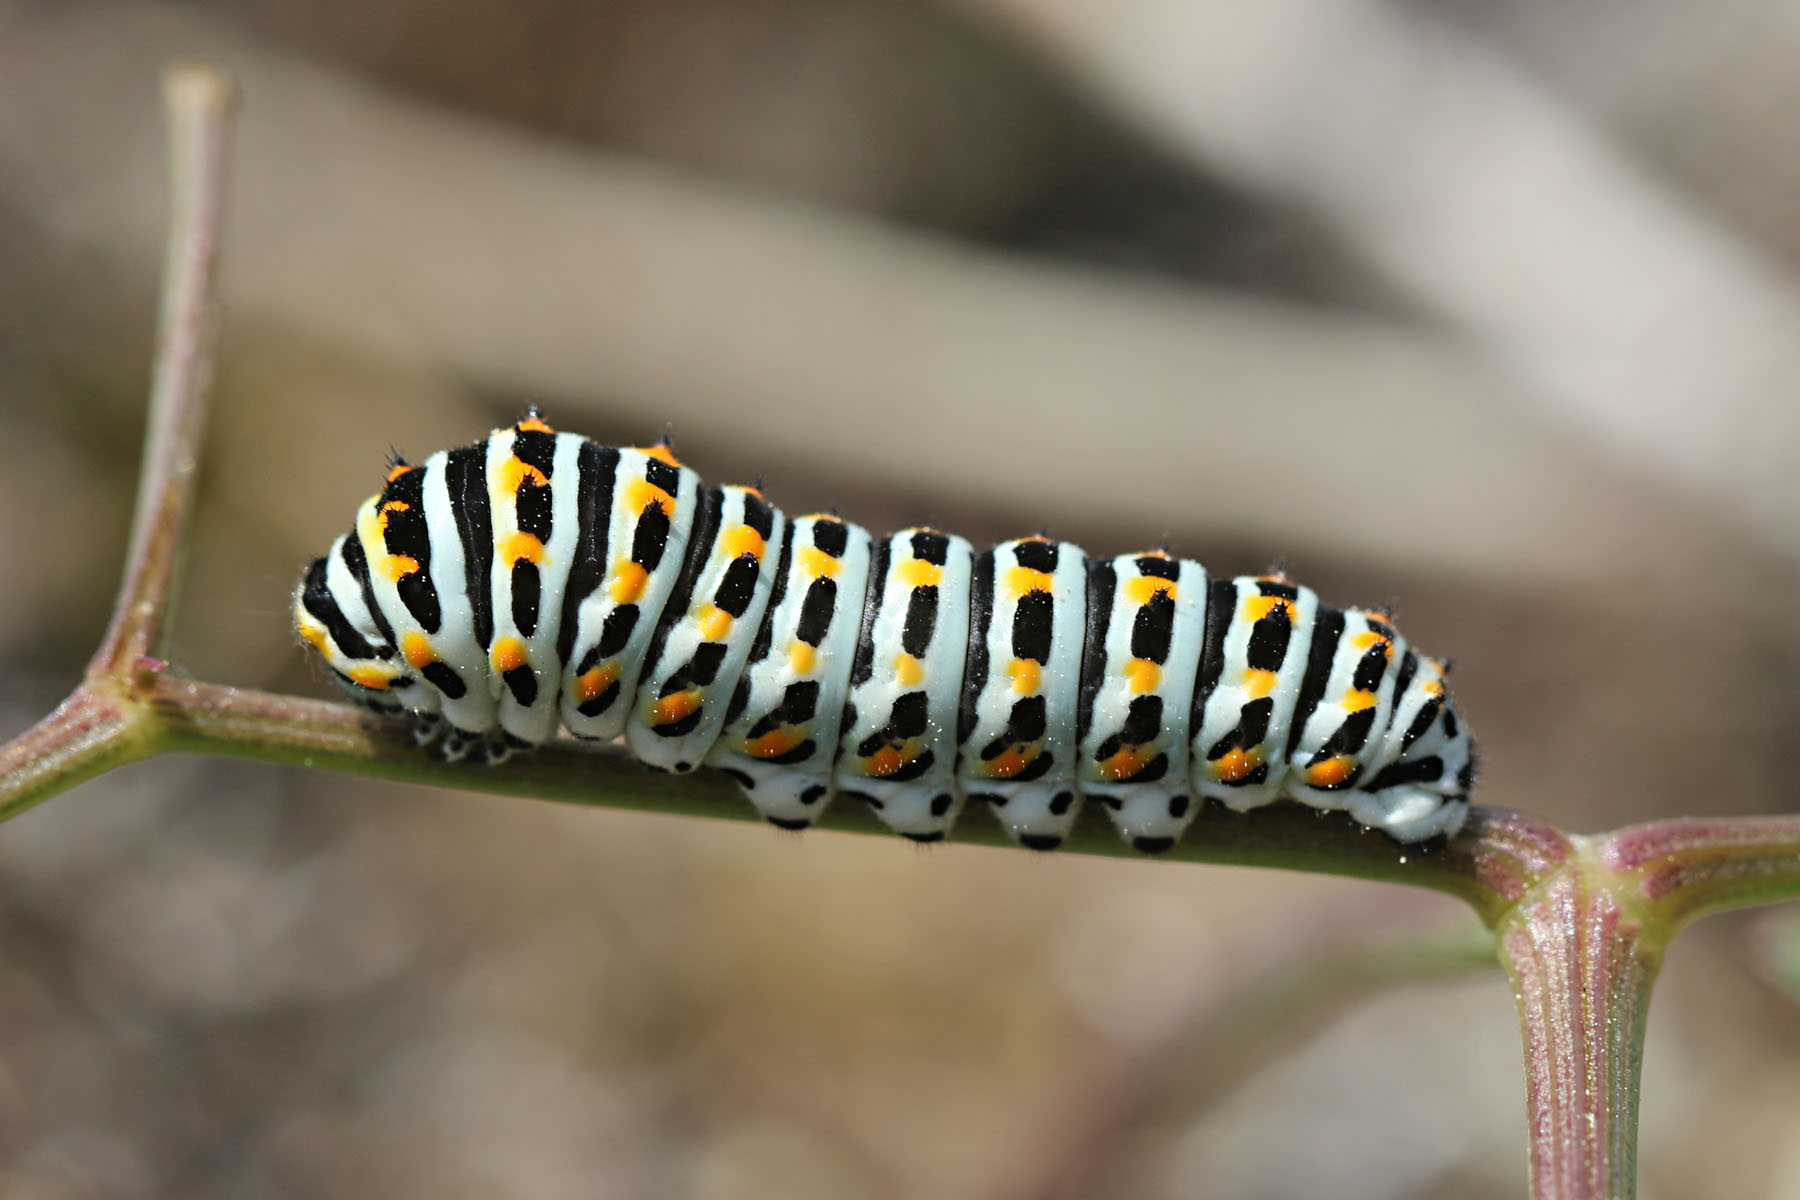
{"type": "Point", "coordinates": [1582, 968]}
{"type": "Point", "coordinates": [1682, 870]}
{"type": "Point", "coordinates": [198, 101]}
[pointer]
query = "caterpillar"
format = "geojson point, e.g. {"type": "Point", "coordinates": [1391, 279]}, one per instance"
{"type": "Point", "coordinates": [537, 580]}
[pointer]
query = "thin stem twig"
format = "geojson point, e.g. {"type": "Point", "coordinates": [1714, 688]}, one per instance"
{"type": "Point", "coordinates": [199, 103]}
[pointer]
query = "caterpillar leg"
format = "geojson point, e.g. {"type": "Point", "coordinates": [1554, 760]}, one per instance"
{"type": "Point", "coordinates": [1035, 815]}
{"type": "Point", "coordinates": [787, 799]}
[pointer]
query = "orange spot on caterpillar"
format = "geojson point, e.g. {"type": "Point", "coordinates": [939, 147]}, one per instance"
{"type": "Point", "coordinates": [521, 545]}
{"type": "Point", "coordinates": [373, 678]}
{"type": "Point", "coordinates": [594, 681]}
{"type": "Point", "coordinates": [713, 623]}
{"type": "Point", "coordinates": [1355, 700]}
{"type": "Point", "coordinates": [533, 424]}
{"type": "Point", "coordinates": [802, 658]}
{"type": "Point", "coordinates": [815, 562]}
{"type": "Point", "coordinates": [1012, 760]}
{"type": "Point", "coordinates": [1125, 763]}
{"type": "Point", "coordinates": [889, 759]}
{"type": "Point", "coordinates": [1332, 772]}
{"type": "Point", "coordinates": [1258, 607]}
{"type": "Point", "coordinates": [907, 670]}
{"type": "Point", "coordinates": [1145, 588]}
{"type": "Point", "coordinates": [663, 452]}
{"type": "Point", "coordinates": [515, 471]}
{"type": "Point", "coordinates": [1143, 675]}
{"type": "Point", "coordinates": [508, 654]}
{"type": "Point", "coordinates": [1259, 683]}
{"type": "Point", "coordinates": [916, 572]}
{"type": "Point", "coordinates": [675, 707]}
{"type": "Point", "coordinates": [397, 471]}
{"type": "Point", "coordinates": [1368, 638]}
{"type": "Point", "coordinates": [417, 649]}
{"type": "Point", "coordinates": [776, 742]}
{"type": "Point", "coordinates": [742, 540]}
{"type": "Point", "coordinates": [1434, 687]}
{"type": "Point", "coordinates": [399, 566]}
{"type": "Point", "coordinates": [641, 496]}
{"type": "Point", "coordinates": [628, 582]}
{"type": "Point", "coordinates": [1027, 676]}
{"type": "Point", "coordinates": [1235, 765]}
{"type": "Point", "coordinates": [315, 636]}
{"type": "Point", "coordinates": [1020, 580]}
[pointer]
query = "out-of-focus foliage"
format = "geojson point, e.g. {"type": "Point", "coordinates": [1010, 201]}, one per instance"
{"type": "Point", "coordinates": [972, 263]}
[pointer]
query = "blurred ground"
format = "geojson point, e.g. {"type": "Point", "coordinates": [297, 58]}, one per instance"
{"type": "Point", "coordinates": [1489, 308]}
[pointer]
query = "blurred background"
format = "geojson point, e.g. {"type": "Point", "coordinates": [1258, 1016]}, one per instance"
{"type": "Point", "coordinates": [1484, 310]}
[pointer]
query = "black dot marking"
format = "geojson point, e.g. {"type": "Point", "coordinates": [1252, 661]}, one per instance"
{"type": "Point", "coordinates": [526, 587]}
{"type": "Point", "coordinates": [703, 668]}
{"type": "Point", "coordinates": [600, 703]}
{"type": "Point", "coordinates": [1178, 806]}
{"type": "Point", "coordinates": [1153, 627]}
{"type": "Point", "coordinates": [812, 795]}
{"type": "Point", "coordinates": [651, 537]}
{"type": "Point", "coordinates": [1033, 624]}
{"type": "Point", "coordinates": [1153, 845]}
{"type": "Point", "coordinates": [1423, 770]}
{"type": "Point", "coordinates": [1036, 555]}
{"type": "Point", "coordinates": [616, 631]}
{"type": "Point", "coordinates": [993, 798]}
{"type": "Point", "coordinates": [682, 768]}
{"type": "Point", "coordinates": [445, 679]}
{"type": "Point", "coordinates": [940, 803]}
{"type": "Point", "coordinates": [522, 683]}
{"type": "Point", "coordinates": [794, 824]}
{"type": "Point", "coordinates": [738, 588]}
{"type": "Point", "coordinates": [1040, 841]}
{"type": "Point", "coordinates": [758, 515]}
{"type": "Point", "coordinates": [1059, 803]}
{"type": "Point", "coordinates": [1158, 567]}
{"type": "Point", "coordinates": [1269, 639]}
{"type": "Point", "coordinates": [660, 474]}
{"type": "Point", "coordinates": [833, 537]}
{"type": "Point", "coordinates": [816, 610]}
{"type": "Point", "coordinates": [930, 546]}
{"type": "Point", "coordinates": [921, 620]}
{"type": "Point", "coordinates": [1372, 667]}
{"type": "Point", "coordinates": [936, 835]}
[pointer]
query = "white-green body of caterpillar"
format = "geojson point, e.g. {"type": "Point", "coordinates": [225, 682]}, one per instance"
{"type": "Point", "coordinates": [537, 581]}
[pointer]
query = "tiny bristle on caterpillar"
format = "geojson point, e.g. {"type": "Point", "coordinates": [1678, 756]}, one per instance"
{"type": "Point", "coordinates": [537, 581]}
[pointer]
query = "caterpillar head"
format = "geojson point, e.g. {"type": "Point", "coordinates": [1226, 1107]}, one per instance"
{"type": "Point", "coordinates": [331, 617]}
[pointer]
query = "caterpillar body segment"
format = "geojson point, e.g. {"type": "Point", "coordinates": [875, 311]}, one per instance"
{"type": "Point", "coordinates": [898, 746]}
{"type": "Point", "coordinates": [707, 630]}
{"type": "Point", "coordinates": [1143, 658]}
{"type": "Point", "coordinates": [637, 511]}
{"type": "Point", "coordinates": [1261, 639]}
{"type": "Point", "coordinates": [781, 737]}
{"type": "Point", "coordinates": [536, 581]}
{"type": "Point", "coordinates": [1019, 725]}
